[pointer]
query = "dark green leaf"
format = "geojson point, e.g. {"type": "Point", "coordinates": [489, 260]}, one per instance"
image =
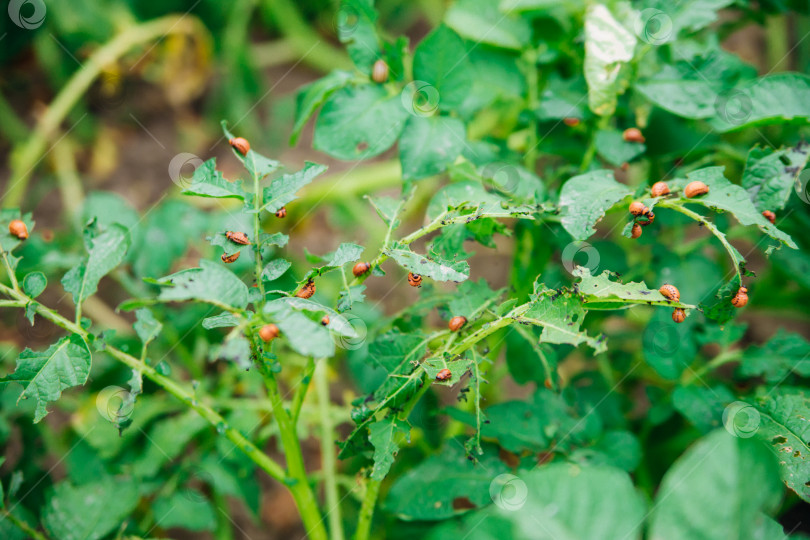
{"type": "Point", "coordinates": [189, 510]}
{"type": "Point", "coordinates": [784, 353]}
{"type": "Point", "coordinates": [386, 436]}
{"type": "Point", "coordinates": [427, 491]}
{"type": "Point", "coordinates": [356, 25]}
{"type": "Point", "coordinates": [44, 374]}
{"type": "Point", "coordinates": [770, 175]}
{"type": "Point", "coordinates": [89, 511]}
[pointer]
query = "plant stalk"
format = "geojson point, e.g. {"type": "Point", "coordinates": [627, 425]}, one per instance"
{"type": "Point", "coordinates": [328, 461]}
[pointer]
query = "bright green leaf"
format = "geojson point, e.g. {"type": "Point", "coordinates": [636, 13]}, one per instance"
{"type": "Point", "coordinates": [106, 250]}
{"type": "Point", "coordinates": [584, 199]}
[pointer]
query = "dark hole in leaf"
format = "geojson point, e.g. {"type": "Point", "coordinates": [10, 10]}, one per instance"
{"type": "Point", "coordinates": [463, 503]}
{"type": "Point", "coordinates": [778, 440]}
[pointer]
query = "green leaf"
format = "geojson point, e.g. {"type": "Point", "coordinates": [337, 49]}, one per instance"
{"type": "Point", "coordinates": [356, 25]}
{"type": "Point", "coordinates": [437, 270]}
{"type": "Point", "coordinates": [784, 353]}
{"type": "Point", "coordinates": [34, 283]}
{"type": "Point", "coordinates": [733, 476]}
{"type": "Point", "coordinates": [304, 336]}
{"type": "Point", "coordinates": [167, 440]}
{"type": "Point", "coordinates": [223, 320]}
{"type": "Point", "coordinates": [105, 251]}
{"type": "Point", "coordinates": [780, 421]}
{"type": "Point", "coordinates": [388, 208]}
{"type": "Point", "coordinates": [561, 317]}
{"type": "Point", "coordinates": [108, 208]}
{"type": "Point", "coordinates": [719, 307]}
{"type": "Point", "coordinates": [559, 500]}
{"type": "Point", "coordinates": [386, 436]}
{"type": "Point", "coordinates": [211, 282]}
{"type": "Point", "coordinates": [344, 254]}
{"type": "Point", "coordinates": [428, 490]}
{"type": "Point", "coordinates": [470, 296]}
{"type": "Point", "coordinates": [608, 47]}
{"type": "Point", "coordinates": [620, 449]}
{"type": "Point", "coordinates": [166, 233]}
{"type": "Point", "coordinates": [359, 122]}
{"type": "Point", "coordinates": [275, 269]}
{"type": "Point", "coordinates": [543, 421]}
{"type": "Point", "coordinates": [441, 61]}
{"type": "Point", "coordinates": [207, 181]}
{"type": "Point", "coordinates": [584, 199]}
{"type": "Point", "coordinates": [189, 510]}
{"type": "Point", "coordinates": [282, 190]}
{"type": "Point", "coordinates": [770, 175]}
{"type": "Point", "coordinates": [702, 406]}
{"type": "Point", "coordinates": [610, 144]}
{"type": "Point", "coordinates": [482, 22]}
{"type": "Point", "coordinates": [44, 374]}
{"type": "Point", "coordinates": [146, 326]}
{"type": "Point", "coordinates": [337, 322]}
{"type": "Point", "coordinates": [458, 368]}
{"type": "Point", "coordinates": [725, 196]}
{"type": "Point", "coordinates": [349, 296]}
{"type": "Point", "coordinates": [772, 99]}
{"type": "Point", "coordinates": [429, 144]}
{"type": "Point", "coordinates": [90, 511]}
{"type": "Point", "coordinates": [602, 293]}
{"type": "Point", "coordinates": [312, 96]}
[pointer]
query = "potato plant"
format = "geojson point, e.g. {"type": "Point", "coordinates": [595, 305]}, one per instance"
{"type": "Point", "coordinates": [594, 239]}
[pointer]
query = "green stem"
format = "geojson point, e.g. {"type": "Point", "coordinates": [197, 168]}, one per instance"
{"type": "Point", "coordinates": [63, 162]}
{"type": "Point", "coordinates": [299, 483]}
{"type": "Point", "coordinates": [732, 251]}
{"type": "Point", "coordinates": [721, 359]}
{"type": "Point", "coordinates": [310, 47]}
{"type": "Point", "coordinates": [23, 526]}
{"type": "Point", "coordinates": [301, 391]}
{"type": "Point", "coordinates": [12, 128]}
{"type": "Point", "coordinates": [590, 152]}
{"type": "Point", "coordinates": [26, 157]}
{"type": "Point", "coordinates": [243, 444]}
{"type": "Point", "coordinates": [328, 462]}
{"type": "Point", "coordinates": [367, 509]}
{"type": "Point", "coordinates": [11, 275]}
{"type": "Point", "coordinates": [532, 102]}
{"type": "Point", "coordinates": [257, 229]}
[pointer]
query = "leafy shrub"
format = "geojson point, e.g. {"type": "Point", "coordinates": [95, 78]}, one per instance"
{"type": "Point", "coordinates": [563, 396]}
